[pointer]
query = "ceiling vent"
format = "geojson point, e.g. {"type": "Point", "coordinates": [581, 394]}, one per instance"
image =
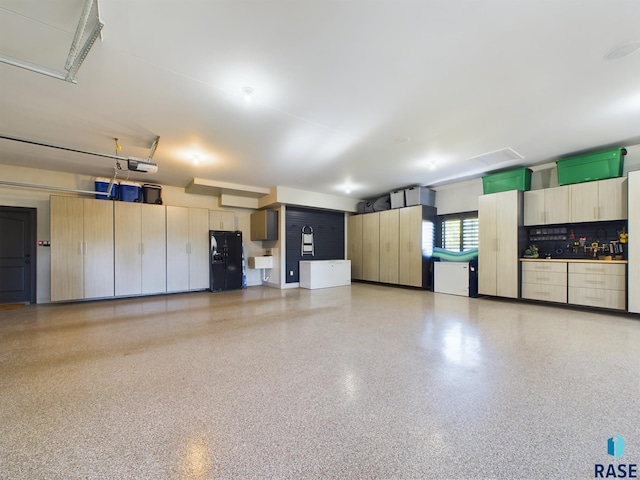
{"type": "Point", "coordinates": [497, 156]}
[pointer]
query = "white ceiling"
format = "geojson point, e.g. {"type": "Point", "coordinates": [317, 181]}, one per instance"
{"type": "Point", "coordinates": [336, 84]}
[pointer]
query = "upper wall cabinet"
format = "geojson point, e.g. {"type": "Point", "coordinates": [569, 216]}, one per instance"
{"type": "Point", "coordinates": [222, 220]}
{"type": "Point", "coordinates": [264, 225]}
{"type": "Point", "coordinates": [547, 206]}
{"type": "Point", "coordinates": [599, 201]}
{"type": "Point", "coordinates": [581, 202]}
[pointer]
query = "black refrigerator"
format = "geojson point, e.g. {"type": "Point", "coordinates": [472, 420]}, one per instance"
{"type": "Point", "coordinates": [225, 258]}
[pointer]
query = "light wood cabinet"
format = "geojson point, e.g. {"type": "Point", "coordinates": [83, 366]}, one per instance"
{"type": "Point", "coordinates": [222, 220]}
{"type": "Point", "coordinates": [545, 281]}
{"type": "Point", "coordinates": [187, 249]}
{"type": "Point", "coordinates": [354, 245]}
{"type": "Point", "coordinates": [500, 216]}
{"type": "Point", "coordinates": [547, 206]}
{"type": "Point", "coordinates": [389, 245]}
{"type": "Point", "coordinates": [598, 285]}
{"type": "Point", "coordinates": [198, 249]}
{"type": "Point", "coordinates": [81, 233]}
{"type": "Point", "coordinates": [371, 247]}
{"type": "Point", "coordinates": [264, 225]}
{"type": "Point", "coordinates": [140, 249]}
{"type": "Point", "coordinates": [599, 201]}
{"type": "Point", "coordinates": [633, 247]}
{"type": "Point", "coordinates": [410, 246]}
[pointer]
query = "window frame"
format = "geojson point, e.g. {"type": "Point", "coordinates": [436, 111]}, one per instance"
{"type": "Point", "coordinates": [454, 216]}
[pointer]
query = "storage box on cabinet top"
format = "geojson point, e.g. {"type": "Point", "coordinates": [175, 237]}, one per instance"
{"type": "Point", "coordinates": [420, 196]}
{"type": "Point", "coordinates": [102, 185]}
{"type": "Point", "coordinates": [591, 166]}
{"type": "Point", "coordinates": [152, 194]}
{"type": "Point", "coordinates": [516, 179]}
{"type": "Point", "coordinates": [130, 191]}
{"type": "Point", "coordinates": [397, 199]}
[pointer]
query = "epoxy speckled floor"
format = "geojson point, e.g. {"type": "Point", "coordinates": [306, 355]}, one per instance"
{"type": "Point", "coordinates": [364, 381]}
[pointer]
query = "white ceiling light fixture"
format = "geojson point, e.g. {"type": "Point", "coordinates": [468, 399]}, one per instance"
{"type": "Point", "coordinates": [248, 94]}
{"type": "Point", "coordinates": [196, 160]}
{"type": "Point", "coordinates": [623, 51]}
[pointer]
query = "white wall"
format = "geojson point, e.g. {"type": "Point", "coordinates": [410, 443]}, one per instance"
{"type": "Point", "coordinates": [458, 197]}
{"type": "Point", "coordinates": [39, 199]}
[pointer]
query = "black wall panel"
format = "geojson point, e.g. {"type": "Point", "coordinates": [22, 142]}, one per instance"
{"type": "Point", "coordinates": [328, 237]}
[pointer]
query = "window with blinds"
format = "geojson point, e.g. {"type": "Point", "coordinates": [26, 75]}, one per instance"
{"type": "Point", "coordinates": [459, 233]}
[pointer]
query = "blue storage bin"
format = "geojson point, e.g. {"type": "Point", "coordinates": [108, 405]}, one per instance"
{"type": "Point", "coordinates": [102, 185]}
{"type": "Point", "coordinates": [130, 191]}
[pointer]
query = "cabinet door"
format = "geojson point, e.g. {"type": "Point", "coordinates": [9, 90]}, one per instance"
{"type": "Point", "coordinates": [584, 202]}
{"type": "Point", "coordinates": [228, 221]}
{"type": "Point", "coordinates": [177, 249]}
{"type": "Point", "coordinates": [389, 243]}
{"type": "Point", "coordinates": [534, 207]}
{"type": "Point", "coordinates": [215, 220]}
{"type": "Point", "coordinates": [67, 247]}
{"type": "Point", "coordinates": [354, 245]}
{"type": "Point", "coordinates": [410, 246]}
{"type": "Point", "coordinates": [198, 248]}
{"type": "Point", "coordinates": [487, 244]}
{"type": "Point", "coordinates": [98, 254]}
{"type": "Point", "coordinates": [154, 249]}
{"type": "Point", "coordinates": [507, 261]}
{"type": "Point", "coordinates": [612, 199]}
{"type": "Point", "coordinates": [633, 247]}
{"type": "Point", "coordinates": [371, 247]}
{"type": "Point", "coordinates": [557, 207]}
{"type": "Point", "coordinates": [128, 248]}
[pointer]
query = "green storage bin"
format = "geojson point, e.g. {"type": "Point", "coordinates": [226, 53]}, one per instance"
{"type": "Point", "coordinates": [516, 179]}
{"type": "Point", "coordinates": [591, 166]}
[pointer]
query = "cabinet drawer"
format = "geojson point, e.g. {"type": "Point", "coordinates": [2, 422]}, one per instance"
{"type": "Point", "coordinates": [595, 281]}
{"type": "Point", "coordinates": [543, 266]}
{"type": "Point", "coordinates": [545, 278]}
{"type": "Point", "coordinates": [548, 293]}
{"type": "Point", "coordinates": [594, 297]}
{"type": "Point", "coordinates": [599, 268]}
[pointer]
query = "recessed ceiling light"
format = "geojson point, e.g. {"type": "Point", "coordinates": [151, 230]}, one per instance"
{"type": "Point", "coordinates": [196, 160]}
{"type": "Point", "coordinates": [623, 51]}
{"type": "Point", "coordinates": [401, 139]}
{"type": "Point", "coordinates": [248, 94]}
{"type": "Point", "coordinates": [432, 165]}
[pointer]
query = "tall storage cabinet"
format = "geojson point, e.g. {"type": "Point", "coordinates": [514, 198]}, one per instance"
{"type": "Point", "coordinates": [371, 247]}
{"type": "Point", "coordinates": [500, 216]}
{"type": "Point", "coordinates": [354, 245]}
{"type": "Point", "coordinates": [393, 246]}
{"type": "Point", "coordinates": [187, 249]}
{"type": "Point", "coordinates": [633, 247]}
{"type": "Point", "coordinates": [389, 245]}
{"type": "Point", "coordinates": [81, 248]}
{"type": "Point", "coordinates": [410, 246]}
{"type": "Point", "coordinates": [140, 248]}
